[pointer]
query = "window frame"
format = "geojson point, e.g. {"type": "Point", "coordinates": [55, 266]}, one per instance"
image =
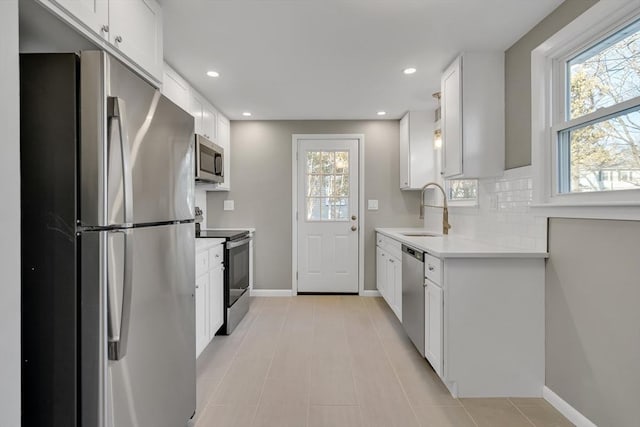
{"type": "Point", "coordinates": [549, 109]}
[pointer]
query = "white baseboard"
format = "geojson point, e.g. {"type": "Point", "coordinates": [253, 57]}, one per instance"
{"type": "Point", "coordinates": [565, 409]}
{"type": "Point", "coordinates": [270, 292]}
{"type": "Point", "coordinates": [370, 293]}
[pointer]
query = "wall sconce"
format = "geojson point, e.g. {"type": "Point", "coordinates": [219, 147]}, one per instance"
{"type": "Point", "coordinates": [437, 139]}
{"type": "Point", "coordinates": [437, 134]}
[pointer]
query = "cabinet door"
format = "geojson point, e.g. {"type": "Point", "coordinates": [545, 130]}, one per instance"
{"type": "Point", "coordinates": [196, 112]}
{"type": "Point", "coordinates": [136, 30]}
{"type": "Point", "coordinates": [381, 272]}
{"type": "Point", "coordinates": [94, 14]}
{"type": "Point", "coordinates": [224, 140]}
{"type": "Point", "coordinates": [391, 281]}
{"type": "Point", "coordinates": [202, 321]}
{"type": "Point", "coordinates": [209, 122]}
{"type": "Point", "coordinates": [404, 152]}
{"type": "Point", "coordinates": [216, 290]}
{"type": "Point", "coordinates": [397, 275]}
{"type": "Point", "coordinates": [452, 120]}
{"type": "Point", "coordinates": [434, 328]}
{"type": "Point", "coordinates": [176, 88]}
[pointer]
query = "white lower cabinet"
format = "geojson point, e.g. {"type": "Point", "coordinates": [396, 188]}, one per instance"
{"type": "Point", "coordinates": [209, 290]}
{"type": "Point", "coordinates": [484, 319]}
{"type": "Point", "coordinates": [202, 322]}
{"type": "Point", "coordinates": [389, 275]}
{"type": "Point", "coordinates": [433, 315]}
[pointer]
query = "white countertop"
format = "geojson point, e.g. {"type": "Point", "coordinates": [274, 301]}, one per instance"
{"type": "Point", "coordinates": [457, 247]}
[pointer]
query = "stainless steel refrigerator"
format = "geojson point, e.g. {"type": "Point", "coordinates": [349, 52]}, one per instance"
{"type": "Point", "coordinates": [107, 182]}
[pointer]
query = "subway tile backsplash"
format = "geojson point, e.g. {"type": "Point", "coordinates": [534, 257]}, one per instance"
{"type": "Point", "coordinates": [503, 215]}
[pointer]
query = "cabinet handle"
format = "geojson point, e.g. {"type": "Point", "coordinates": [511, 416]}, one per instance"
{"type": "Point", "coordinates": [118, 39]}
{"type": "Point", "coordinates": [217, 256]}
{"type": "Point", "coordinates": [431, 267]}
{"type": "Point", "coordinates": [392, 261]}
{"type": "Point", "coordinates": [105, 28]}
{"type": "Point", "coordinates": [197, 287]}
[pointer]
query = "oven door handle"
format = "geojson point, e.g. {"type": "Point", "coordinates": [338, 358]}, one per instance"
{"type": "Point", "coordinates": [232, 245]}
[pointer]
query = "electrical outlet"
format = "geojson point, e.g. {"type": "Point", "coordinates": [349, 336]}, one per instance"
{"type": "Point", "coordinates": [372, 205]}
{"type": "Point", "coordinates": [229, 205]}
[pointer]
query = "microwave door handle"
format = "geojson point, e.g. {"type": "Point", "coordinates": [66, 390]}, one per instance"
{"type": "Point", "coordinates": [117, 111]}
{"type": "Point", "coordinates": [119, 312]}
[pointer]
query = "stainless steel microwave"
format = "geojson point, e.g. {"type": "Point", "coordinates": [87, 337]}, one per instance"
{"type": "Point", "coordinates": [209, 161]}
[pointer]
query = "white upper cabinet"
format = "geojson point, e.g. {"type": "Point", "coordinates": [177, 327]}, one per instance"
{"type": "Point", "coordinates": [93, 14]}
{"type": "Point", "coordinates": [473, 116]}
{"type": "Point", "coordinates": [205, 117]}
{"type": "Point", "coordinates": [131, 30]}
{"type": "Point", "coordinates": [135, 28]}
{"type": "Point", "coordinates": [224, 140]}
{"type": "Point", "coordinates": [417, 166]}
{"type": "Point", "coordinates": [176, 88]}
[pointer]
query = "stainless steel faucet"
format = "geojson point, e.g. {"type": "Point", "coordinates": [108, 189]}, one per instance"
{"type": "Point", "coordinates": [445, 209]}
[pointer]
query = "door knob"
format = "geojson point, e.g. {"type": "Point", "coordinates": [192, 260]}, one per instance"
{"type": "Point", "coordinates": [354, 228]}
{"type": "Point", "coordinates": [353, 217]}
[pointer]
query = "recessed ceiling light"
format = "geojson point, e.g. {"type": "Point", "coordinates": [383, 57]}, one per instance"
{"type": "Point", "coordinates": [246, 114]}
{"type": "Point", "coordinates": [382, 113]}
{"type": "Point", "coordinates": [213, 74]}
{"type": "Point", "coordinates": [409, 70]}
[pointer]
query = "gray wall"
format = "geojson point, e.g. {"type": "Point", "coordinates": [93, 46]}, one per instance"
{"type": "Point", "coordinates": [261, 187]}
{"type": "Point", "coordinates": [593, 318]}
{"type": "Point", "coordinates": [518, 81]}
{"type": "Point", "coordinates": [9, 217]}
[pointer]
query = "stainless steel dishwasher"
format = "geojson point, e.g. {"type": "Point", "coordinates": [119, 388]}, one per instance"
{"type": "Point", "coordinates": [413, 295]}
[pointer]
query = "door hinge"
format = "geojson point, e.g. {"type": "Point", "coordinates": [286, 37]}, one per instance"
{"type": "Point", "coordinates": [296, 155]}
{"type": "Point", "coordinates": [296, 275]}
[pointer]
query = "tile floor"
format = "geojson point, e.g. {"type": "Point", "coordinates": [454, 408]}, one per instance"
{"type": "Point", "coordinates": [335, 361]}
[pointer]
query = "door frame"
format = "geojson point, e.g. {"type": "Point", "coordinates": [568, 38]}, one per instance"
{"type": "Point", "coordinates": [295, 139]}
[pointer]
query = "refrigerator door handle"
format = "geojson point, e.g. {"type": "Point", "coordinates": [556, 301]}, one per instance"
{"type": "Point", "coordinates": [117, 111]}
{"type": "Point", "coordinates": [119, 310]}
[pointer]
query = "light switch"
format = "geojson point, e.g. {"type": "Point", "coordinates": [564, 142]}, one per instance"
{"type": "Point", "coordinates": [229, 205]}
{"type": "Point", "coordinates": [372, 205]}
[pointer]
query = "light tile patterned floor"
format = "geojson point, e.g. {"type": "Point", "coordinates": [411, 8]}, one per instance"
{"type": "Point", "coordinates": [337, 361]}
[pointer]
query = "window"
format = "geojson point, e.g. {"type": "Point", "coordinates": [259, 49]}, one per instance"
{"type": "Point", "coordinates": [462, 192]}
{"type": "Point", "coordinates": [599, 134]}
{"type": "Point", "coordinates": [327, 186]}
{"type": "Point", "coordinates": [586, 113]}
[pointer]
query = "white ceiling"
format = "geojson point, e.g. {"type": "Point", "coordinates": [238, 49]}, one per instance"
{"type": "Point", "coordinates": [332, 59]}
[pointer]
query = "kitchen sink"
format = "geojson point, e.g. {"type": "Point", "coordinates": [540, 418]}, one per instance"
{"type": "Point", "coordinates": [419, 234]}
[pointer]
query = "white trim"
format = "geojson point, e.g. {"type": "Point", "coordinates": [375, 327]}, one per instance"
{"type": "Point", "coordinates": [565, 409]}
{"type": "Point", "coordinates": [270, 292]}
{"type": "Point", "coordinates": [295, 138]}
{"type": "Point", "coordinates": [370, 293]}
{"type": "Point", "coordinates": [602, 19]}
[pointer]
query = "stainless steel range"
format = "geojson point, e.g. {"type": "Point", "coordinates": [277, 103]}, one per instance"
{"type": "Point", "coordinates": [236, 275]}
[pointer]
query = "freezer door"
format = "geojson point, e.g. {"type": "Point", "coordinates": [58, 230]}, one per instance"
{"type": "Point", "coordinates": [136, 155]}
{"type": "Point", "coordinates": [152, 383]}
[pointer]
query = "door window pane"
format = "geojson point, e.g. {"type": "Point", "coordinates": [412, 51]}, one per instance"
{"type": "Point", "coordinates": [327, 181]}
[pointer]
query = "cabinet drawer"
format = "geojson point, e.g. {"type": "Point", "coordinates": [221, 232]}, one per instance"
{"type": "Point", "coordinates": [388, 244]}
{"type": "Point", "coordinates": [202, 263]}
{"type": "Point", "coordinates": [216, 255]}
{"type": "Point", "coordinates": [433, 269]}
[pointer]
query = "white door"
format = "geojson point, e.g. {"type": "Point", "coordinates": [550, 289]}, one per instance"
{"type": "Point", "coordinates": [328, 217]}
